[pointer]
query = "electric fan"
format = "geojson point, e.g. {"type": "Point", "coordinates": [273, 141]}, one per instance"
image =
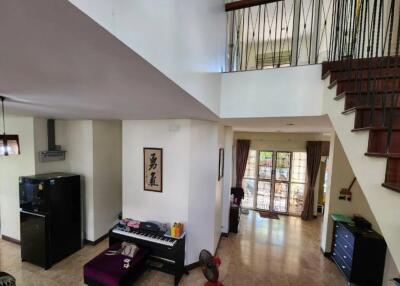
{"type": "Point", "coordinates": [209, 265]}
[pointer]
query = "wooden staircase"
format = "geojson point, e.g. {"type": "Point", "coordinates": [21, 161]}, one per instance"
{"type": "Point", "coordinates": [371, 90]}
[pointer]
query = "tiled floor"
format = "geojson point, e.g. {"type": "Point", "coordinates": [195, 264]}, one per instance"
{"type": "Point", "coordinates": [266, 252]}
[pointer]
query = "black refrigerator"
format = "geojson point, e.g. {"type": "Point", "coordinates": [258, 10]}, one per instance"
{"type": "Point", "coordinates": [50, 216]}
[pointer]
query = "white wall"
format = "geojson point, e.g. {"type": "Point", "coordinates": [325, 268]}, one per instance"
{"type": "Point", "coordinates": [11, 168]}
{"type": "Point", "coordinates": [79, 146]}
{"type": "Point", "coordinates": [173, 136]}
{"type": "Point", "coordinates": [94, 151]}
{"type": "Point", "coordinates": [283, 92]}
{"type": "Point", "coordinates": [75, 137]}
{"type": "Point", "coordinates": [227, 178]}
{"type": "Point", "coordinates": [205, 192]}
{"type": "Point", "coordinates": [191, 193]}
{"type": "Point", "coordinates": [84, 157]}
{"type": "Point", "coordinates": [107, 174]}
{"type": "Point", "coordinates": [191, 33]}
{"type": "Point", "coordinates": [280, 141]}
{"type": "Point", "coordinates": [220, 187]}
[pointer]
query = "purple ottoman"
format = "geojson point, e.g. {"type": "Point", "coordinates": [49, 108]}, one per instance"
{"type": "Point", "coordinates": [109, 270]}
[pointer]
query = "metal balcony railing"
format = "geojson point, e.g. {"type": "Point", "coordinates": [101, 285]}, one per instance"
{"type": "Point", "coordinates": [300, 32]}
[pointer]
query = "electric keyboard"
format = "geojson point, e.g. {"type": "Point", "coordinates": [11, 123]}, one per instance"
{"type": "Point", "coordinates": [167, 254]}
{"type": "Point", "coordinates": [148, 236]}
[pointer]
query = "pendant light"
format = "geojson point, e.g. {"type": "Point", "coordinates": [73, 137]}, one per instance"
{"type": "Point", "coordinates": [10, 144]}
{"type": "Point", "coordinates": [5, 146]}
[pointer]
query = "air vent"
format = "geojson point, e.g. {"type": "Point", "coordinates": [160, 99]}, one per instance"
{"type": "Point", "coordinates": [50, 156]}
{"type": "Point", "coordinates": [54, 152]}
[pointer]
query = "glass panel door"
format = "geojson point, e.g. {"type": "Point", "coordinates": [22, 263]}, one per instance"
{"type": "Point", "coordinates": [281, 193]}
{"type": "Point", "coordinates": [249, 180]}
{"type": "Point", "coordinates": [283, 166]}
{"type": "Point", "coordinates": [265, 167]}
{"type": "Point", "coordinates": [248, 186]}
{"type": "Point", "coordinates": [296, 200]}
{"type": "Point", "coordinates": [263, 195]}
{"type": "Point", "coordinates": [298, 180]}
{"type": "Point", "coordinates": [282, 178]}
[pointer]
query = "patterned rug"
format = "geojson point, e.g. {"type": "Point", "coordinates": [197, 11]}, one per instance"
{"type": "Point", "coordinates": [268, 214]}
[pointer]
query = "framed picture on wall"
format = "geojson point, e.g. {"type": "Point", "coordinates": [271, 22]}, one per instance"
{"type": "Point", "coordinates": [153, 169]}
{"type": "Point", "coordinates": [221, 164]}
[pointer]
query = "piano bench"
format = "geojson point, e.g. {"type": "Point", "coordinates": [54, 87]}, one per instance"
{"type": "Point", "coordinates": [109, 270]}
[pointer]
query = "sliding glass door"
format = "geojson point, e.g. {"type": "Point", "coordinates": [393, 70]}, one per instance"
{"type": "Point", "coordinates": [275, 181]}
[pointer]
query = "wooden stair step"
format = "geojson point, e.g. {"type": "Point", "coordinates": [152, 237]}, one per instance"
{"type": "Point", "coordinates": [378, 140]}
{"type": "Point", "coordinates": [393, 81]}
{"type": "Point", "coordinates": [392, 187]}
{"type": "Point", "coordinates": [340, 96]}
{"type": "Point", "coordinates": [353, 99]}
{"type": "Point", "coordinates": [387, 86]}
{"type": "Point", "coordinates": [392, 176]}
{"type": "Point", "coordinates": [383, 155]}
{"type": "Point", "coordinates": [371, 89]}
{"type": "Point", "coordinates": [377, 108]}
{"type": "Point", "coordinates": [350, 110]}
{"type": "Point", "coordinates": [375, 128]}
{"type": "Point", "coordinates": [378, 137]}
{"type": "Point", "coordinates": [381, 117]}
{"type": "Point", "coordinates": [359, 64]}
{"type": "Point", "coordinates": [379, 73]}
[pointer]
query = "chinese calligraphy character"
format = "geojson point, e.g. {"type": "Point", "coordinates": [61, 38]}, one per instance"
{"type": "Point", "coordinates": [153, 162]}
{"type": "Point", "coordinates": [153, 179]}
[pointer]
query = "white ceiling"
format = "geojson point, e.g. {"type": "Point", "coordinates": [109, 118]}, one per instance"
{"type": "Point", "coordinates": [56, 62]}
{"type": "Point", "coordinates": [319, 124]}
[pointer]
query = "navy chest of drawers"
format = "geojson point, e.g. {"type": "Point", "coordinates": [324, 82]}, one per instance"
{"type": "Point", "coordinates": [360, 254]}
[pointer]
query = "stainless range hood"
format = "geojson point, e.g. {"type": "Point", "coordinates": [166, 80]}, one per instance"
{"type": "Point", "coordinates": [54, 152]}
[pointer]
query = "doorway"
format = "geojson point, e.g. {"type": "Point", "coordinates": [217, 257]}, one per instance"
{"type": "Point", "coordinates": [275, 181]}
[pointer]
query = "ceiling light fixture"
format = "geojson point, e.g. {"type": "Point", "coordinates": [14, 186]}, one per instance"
{"type": "Point", "coordinates": [9, 144]}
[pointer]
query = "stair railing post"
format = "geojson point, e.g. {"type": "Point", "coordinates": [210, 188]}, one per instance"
{"type": "Point", "coordinates": [316, 34]}
{"type": "Point", "coordinates": [296, 32]}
